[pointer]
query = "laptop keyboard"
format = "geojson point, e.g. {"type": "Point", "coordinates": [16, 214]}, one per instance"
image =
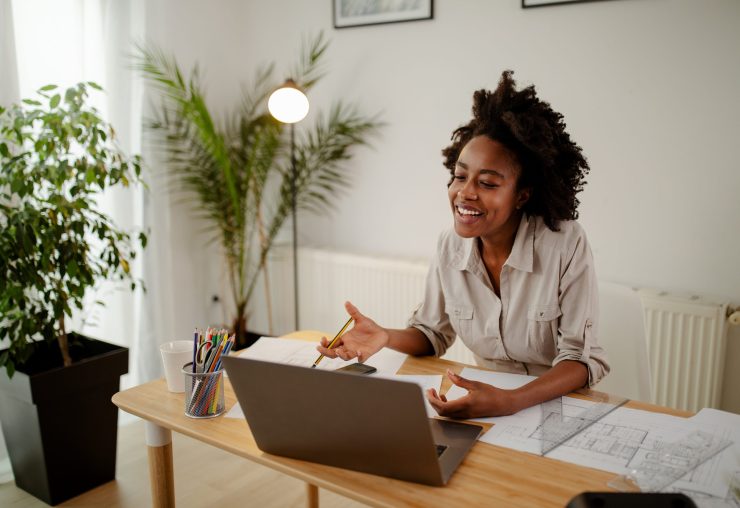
{"type": "Point", "coordinates": [440, 449]}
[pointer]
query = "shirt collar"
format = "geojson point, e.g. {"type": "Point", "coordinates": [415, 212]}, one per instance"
{"type": "Point", "coordinates": [522, 252]}
{"type": "Point", "coordinates": [520, 258]}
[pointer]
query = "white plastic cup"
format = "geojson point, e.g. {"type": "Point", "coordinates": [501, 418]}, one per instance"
{"type": "Point", "coordinates": [175, 355]}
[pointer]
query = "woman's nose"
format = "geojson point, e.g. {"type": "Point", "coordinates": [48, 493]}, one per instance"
{"type": "Point", "coordinates": [467, 192]}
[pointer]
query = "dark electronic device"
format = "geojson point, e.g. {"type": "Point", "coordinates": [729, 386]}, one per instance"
{"type": "Point", "coordinates": [357, 368]}
{"type": "Point", "coordinates": [631, 500]}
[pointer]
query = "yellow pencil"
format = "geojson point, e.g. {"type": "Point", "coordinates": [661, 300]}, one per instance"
{"type": "Point", "coordinates": [333, 341]}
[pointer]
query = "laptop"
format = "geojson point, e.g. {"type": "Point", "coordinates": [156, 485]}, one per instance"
{"type": "Point", "coordinates": [364, 423]}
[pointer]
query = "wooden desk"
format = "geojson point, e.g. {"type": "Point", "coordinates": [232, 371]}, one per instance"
{"type": "Point", "coordinates": [489, 476]}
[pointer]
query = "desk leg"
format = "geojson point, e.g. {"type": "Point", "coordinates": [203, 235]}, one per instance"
{"type": "Point", "coordinates": [161, 473]}
{"type": "Point", "coordinates": [312, 495]}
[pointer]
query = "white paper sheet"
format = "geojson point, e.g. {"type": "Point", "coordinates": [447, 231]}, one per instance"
{"type": "Point", "coordinates": [235, 412]}
{"type": "Point", "coordinates": [303, 353]}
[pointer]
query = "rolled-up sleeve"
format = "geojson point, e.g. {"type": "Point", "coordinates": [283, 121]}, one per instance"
{"type": "Point", "coordinates": [579, 303]}
{"type": "Point", "coordinates": [430, 316]}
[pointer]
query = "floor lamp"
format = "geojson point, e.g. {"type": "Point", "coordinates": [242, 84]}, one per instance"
{"type": "Point", "coordinates": [288, 104]}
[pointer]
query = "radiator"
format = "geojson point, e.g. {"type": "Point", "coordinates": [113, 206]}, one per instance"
{"type": "Point", "coordinates": [687, 338]}
{"type": "Point", "coordinates": [386, 289]}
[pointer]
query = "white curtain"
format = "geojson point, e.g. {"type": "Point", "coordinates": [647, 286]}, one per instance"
{"type": "Point", "coordinates": [8, 95]}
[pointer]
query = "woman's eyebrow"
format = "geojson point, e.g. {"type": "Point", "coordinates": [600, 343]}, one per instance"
{"type": "Point", "coordinates": [492, 172]}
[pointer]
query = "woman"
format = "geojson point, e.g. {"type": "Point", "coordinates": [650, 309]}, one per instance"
{"type": "Point", "coordinates": [515, 279]}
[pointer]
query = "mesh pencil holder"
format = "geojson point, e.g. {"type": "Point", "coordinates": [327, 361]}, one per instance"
{"type": "Point", "coordinates": [204, 392]}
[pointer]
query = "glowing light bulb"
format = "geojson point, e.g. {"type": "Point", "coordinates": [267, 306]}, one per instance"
{"type": "Point", "coordinates": [288, 104]}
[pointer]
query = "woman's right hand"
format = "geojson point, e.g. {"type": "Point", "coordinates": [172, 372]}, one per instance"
{"type": "Point", "coordinates": [364, 339]}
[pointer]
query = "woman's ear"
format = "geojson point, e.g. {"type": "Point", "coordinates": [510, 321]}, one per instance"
{"type": "Point", "coordinates": [523, 197]}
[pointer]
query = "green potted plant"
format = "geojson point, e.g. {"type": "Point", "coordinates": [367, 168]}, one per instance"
{"type": "Point", "coordinates": [60, 426]}
{"type": "Point", "coordinates": [238, 169]}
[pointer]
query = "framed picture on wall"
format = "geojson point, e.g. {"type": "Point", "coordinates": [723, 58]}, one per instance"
{"type": "Point", "coordinates": [542, 3]}
{"type": "Point", "coordinates": [349, 13]}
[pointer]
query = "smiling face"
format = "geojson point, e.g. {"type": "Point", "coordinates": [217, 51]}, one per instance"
{"type": "Point", "coordinates": [484, 195]}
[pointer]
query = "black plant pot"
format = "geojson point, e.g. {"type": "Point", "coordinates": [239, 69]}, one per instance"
{"type": "Point", "coordinates": [59, 423]}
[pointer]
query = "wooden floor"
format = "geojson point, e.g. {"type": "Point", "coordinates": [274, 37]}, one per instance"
{"type": "Point", "coordinates": [204, 476]}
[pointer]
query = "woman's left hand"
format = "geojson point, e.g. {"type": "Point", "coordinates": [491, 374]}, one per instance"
{"type": "Point", "coordinates": [482, 400]}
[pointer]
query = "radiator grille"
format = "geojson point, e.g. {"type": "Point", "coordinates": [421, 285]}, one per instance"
{"type": "Point", "coordinates": [686, 338]}
{"type": "Point", "coordinates": [386, 289]}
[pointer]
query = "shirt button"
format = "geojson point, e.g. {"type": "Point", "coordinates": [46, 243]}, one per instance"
{"type": "Point", "coordinates": [542, 314]}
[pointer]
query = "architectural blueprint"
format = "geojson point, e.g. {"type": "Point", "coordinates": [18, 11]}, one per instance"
{"type": "Point", "coordinates": [621, 440]}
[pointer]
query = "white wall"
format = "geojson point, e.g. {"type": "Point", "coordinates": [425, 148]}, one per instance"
{"type": "Point", "coordinates": [647, 87]}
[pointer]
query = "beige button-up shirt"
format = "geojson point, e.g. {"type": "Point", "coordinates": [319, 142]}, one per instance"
{"type": "Point", "coordinates": [548, 308]}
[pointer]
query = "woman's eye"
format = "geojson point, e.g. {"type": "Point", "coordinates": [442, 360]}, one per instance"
{"type": "Point", "coordinates": [459, 177]}
{"type": "Point", "coordinates": [488, 185]}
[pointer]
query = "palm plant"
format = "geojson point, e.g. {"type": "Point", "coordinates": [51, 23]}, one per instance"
{"type": "Point", "coordinates": [245, 158]}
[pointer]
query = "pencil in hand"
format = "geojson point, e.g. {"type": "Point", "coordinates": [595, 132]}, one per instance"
{"type": "Point", "coordinates": [333, 341]}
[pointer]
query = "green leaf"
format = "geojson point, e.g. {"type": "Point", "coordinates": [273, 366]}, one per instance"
{"type": "Point", "coordinates": [45, 201]}
{"type": "Point", "coordinates": [95, 85]}
{"type": "Point", "coordinates": [47, 88]}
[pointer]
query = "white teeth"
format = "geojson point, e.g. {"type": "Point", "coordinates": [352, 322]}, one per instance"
{"type": "Point", "coordinates": [463, 211]}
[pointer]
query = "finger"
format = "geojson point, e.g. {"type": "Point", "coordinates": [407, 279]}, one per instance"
{"type": "Point", "coordinates": [337, 343]}
{"type": "Point", "coordinates": [434, 400]}
{"type": "Point", "coordinates": [324, 341]}
{"type": "Point", "coordinates": [339, 352]}
{"type": "Point", "coordinates": [461, 381]}
{"type": "Point", "coordinates": [344, 354]}
{"type": "Point", "coordinates": [329, 353]}
{"type": "Point", "coordinates": [440, 406]}
{"type": "Point", "coordinates": [458, 408]}
{"type": "Point", "coordinates": [359, 356]}
{"type": "Point", "coordinates": [436, 405]}
{"type": "Point", "coordinates": [353, 311]}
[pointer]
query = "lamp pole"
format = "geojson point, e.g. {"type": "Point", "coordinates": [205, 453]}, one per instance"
{"type": "Point", "coordinates": [288, 104]}
{"type": "Point", "coordinates": [294, 199]}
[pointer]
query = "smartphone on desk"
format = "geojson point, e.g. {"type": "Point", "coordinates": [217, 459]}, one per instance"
{"type": "Point", "coordinates": [357, 368]}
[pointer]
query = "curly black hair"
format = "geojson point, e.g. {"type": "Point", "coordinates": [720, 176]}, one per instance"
{"type": "Point", "coordinates": [552, 165]}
